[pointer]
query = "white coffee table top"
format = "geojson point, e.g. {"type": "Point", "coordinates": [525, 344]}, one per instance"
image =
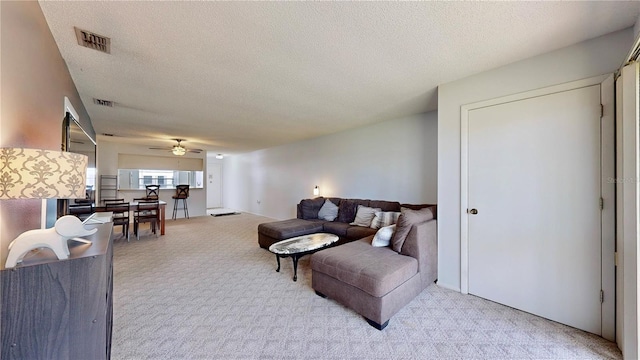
{"type": "Point", "coordinates": [304, 243]}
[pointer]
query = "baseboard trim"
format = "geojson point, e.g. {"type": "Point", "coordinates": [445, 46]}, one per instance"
{"type": "Point", "coordinates": [447, 286]}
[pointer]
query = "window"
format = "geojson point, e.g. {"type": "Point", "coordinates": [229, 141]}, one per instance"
{"type": "Point", "coordinates": [133, 179]}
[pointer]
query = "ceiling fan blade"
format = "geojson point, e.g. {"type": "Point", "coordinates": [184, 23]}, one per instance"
{"type": "Point", "coordinates": [160, 148]}
{"type": "Point", "coordinates": [195, 151]}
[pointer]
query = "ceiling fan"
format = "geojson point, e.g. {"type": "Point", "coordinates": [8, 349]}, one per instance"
{"type": "Point", "coordinates": [178, 149]}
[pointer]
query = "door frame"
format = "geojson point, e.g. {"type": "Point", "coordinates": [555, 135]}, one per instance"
{"type": "Point", "coordinates": [628, 192]}
{"type": "Point", "coordinates": [217, 188]}
{"type": "Point", "coordinates": [607, 164]}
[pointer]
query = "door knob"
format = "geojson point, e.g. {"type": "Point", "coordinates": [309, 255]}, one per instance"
{"type": "Point", "coordinates": [473, 211]}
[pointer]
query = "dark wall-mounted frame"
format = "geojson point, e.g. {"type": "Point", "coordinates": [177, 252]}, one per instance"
{"type": "Point", "coordinates": [77, 140]}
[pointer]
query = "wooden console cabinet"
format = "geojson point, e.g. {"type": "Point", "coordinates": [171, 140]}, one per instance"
{"type": "Point", "coordinates": [59, 309]}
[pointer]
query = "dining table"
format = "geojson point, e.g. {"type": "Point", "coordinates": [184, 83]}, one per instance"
{"type": "Point", "coordinates": [133, 206]}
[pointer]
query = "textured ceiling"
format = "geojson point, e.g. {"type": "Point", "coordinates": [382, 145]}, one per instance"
{"type": "Point", "coordinates": [238, 76]}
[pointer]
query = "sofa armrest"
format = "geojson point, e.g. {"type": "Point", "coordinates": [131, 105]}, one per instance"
{"type": "Point", "coordinates": [422, 244]}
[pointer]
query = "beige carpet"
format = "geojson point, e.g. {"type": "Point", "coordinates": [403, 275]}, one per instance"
{"type": "Point", "coordinates": [207, 291]}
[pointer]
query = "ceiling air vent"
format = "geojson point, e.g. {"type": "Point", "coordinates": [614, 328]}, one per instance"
{"type": "Point", "coordinates": [101, 102]}
{"type": "Point", "coordinates": [93, 41]}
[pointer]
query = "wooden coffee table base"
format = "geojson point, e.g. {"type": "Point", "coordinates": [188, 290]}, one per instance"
{"type": "Point", "coordinates": [295, 258]}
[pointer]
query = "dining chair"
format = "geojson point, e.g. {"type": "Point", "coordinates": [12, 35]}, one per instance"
{"type": "Point", "coordinates": [153, 192]}
{"type": "Point", "coordinates": [182, 193]}
{"type": "Point", "coordinates": [120, 215]}
{"type": "Point", "coordinates": [146, 212]}
{"type": "Point", "coordinates": [81, 210]}
{"type": "Point", "coordinates": [112, 201]}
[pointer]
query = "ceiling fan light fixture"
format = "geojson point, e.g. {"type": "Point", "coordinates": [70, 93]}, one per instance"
{"type": "Point", "coordinates": [178, 150]}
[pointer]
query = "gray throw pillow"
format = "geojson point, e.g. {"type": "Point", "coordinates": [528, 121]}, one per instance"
{"type": "Point", "coordinates": [328, 211]}
{"type": "Point", "coordinates": [364, 215]}
{"type": "Point", "coordinates": [407, 219]}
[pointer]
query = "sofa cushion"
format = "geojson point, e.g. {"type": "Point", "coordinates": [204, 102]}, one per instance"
{"type": "Point", "coordinates": [358, 232]}
{"type": "Point", "coordinates": [347, 209]}
{"type": "Point", "coordinates": [364, 215]}
{"type": "Point", "coordinates": [290, 228]}
{"type": "Point", "coordinates": [384, 218]}
{"type": "Point", "coordinates": [311, 207]}
{"type": "Point", "coordinates": [336, 228]}
{"type": "Point", "coordinates": [383, 236]}
{"type": "Point", "coordinates": [374, 270]}
{"type": "Point", "coordinates": [407, 219]}
{"type": "Point", "coordinates": [328, 211]}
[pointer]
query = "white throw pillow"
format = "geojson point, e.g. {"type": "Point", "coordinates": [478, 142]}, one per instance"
{"type": "Point", "coordinates": [328, 211]}
{"type": "Point", "coordinates": [384, 218]}
{"type": "Point", "coordinates": [383, 236]}
{"type": "Point", "coordinates": [364, 215]}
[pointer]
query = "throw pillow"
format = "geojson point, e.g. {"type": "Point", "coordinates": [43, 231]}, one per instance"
{"type": "Point", "coordinates": [383, 236]}
{"type": "Point", "coordinates": [310, 207]}
{"type": "Point", "coordinates": [364, 215]}
{"type": "Point", "coordinates": [347, 211]}
{"type": "Point", "coordinates": [384, 218]}
{"type": "Point", "coordinates": [328, 211]}
{"type": "Point", "coordinates": [407, 219]}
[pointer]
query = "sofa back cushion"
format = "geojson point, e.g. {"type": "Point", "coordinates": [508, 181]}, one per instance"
{"type": "Point", "coordinates": [309, 208]}
{"type": "Point", "coordinates": [407, 219]}
{"type": "Point", "coordinates": [347, 209]}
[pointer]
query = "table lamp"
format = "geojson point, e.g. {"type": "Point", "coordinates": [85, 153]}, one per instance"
{"type": "Point", "coordinates": [43, 174]}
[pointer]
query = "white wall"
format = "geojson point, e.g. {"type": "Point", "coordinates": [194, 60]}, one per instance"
{"type": "Point", "coordinates": [590, 58]}
{"type": "Point", "coordinates": [394, 160]}
{"type": "Point", "coordinates": [35, 80]}
{"type": "Point", "coordinates": [107, 158]}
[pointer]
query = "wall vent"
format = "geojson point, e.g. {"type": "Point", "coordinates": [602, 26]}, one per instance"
{"type": "Point", "coordinates": [101, 102]}
{"type": "Point", "coordinates": [93, 41]}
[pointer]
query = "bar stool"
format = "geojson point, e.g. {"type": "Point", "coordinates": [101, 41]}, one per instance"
{"type": "Point", "coordinates": [182, 193]}
{"type": "Point", "coordinates": [153, 192]}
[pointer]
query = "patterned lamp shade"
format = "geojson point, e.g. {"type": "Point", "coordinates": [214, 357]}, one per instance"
{"type": "Point", "coordinates": [41, 174]}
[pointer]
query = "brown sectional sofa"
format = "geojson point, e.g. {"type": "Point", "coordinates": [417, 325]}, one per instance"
{"type": "Point", "coordinates": [376, 282]}
{"type": "Point", "coordinates": [307, 222]}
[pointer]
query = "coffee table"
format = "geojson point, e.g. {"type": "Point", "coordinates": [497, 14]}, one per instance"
{"type": "Point", "coordinates": [299, 246]}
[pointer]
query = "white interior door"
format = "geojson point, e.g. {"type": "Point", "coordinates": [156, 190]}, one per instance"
{"type": "Point", "coordinates": [214, 185]}
{"type": "Point", "coordinates": [534, 179]}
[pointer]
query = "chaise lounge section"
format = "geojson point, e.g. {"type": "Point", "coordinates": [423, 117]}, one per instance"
{"type": "Point", "coordinates": [377, 282]}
